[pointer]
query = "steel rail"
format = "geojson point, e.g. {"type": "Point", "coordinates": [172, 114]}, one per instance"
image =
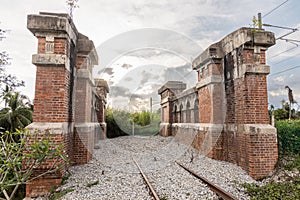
{"type": "Point", "coordinates": [147, 181]}
{"type": "Point", "coordinates": [219, 191]}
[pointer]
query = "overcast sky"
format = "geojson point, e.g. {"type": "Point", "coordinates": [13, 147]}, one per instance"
{"type": "Point", "coordinates": [141, 44]}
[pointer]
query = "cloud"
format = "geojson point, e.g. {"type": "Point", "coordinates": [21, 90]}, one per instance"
{"type": "Point", "coordinates": [107, 70]}
{"type": "Point", "coordinates": [113, 24]}
{"type": "Point", "coordinates": [117, 91]}
{"type": "Point", "coordinates": [126, 66]}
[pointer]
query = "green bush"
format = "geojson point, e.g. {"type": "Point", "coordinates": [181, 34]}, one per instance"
{"type": "Point", "coordinates": [113, 128]}
{"type": "Point", "coordinates": [282, 191]}
{"type": "Point", "coordinates": [288, 133]}
{"type": "Point", "coordinates": [120, 123]}
{"type": "Point", "coordinates": [31, 151]}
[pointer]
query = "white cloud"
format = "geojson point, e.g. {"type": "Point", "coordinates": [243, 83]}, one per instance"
{"type": "Point", "coordinates": [202, 21]}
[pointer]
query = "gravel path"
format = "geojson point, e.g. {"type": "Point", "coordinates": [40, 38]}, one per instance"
{"type": "Point", "coordinates": [112, 174]}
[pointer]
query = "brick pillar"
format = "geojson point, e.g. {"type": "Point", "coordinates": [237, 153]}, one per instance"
{"type": "Point", "coordinates": [101, 90]}
{"type": "Point", "coordinates": [85, 125]}
{"type": "Point", "coordinates": [232, 92]}
{"type": "Point", "coordinates": [53, 113]}
{"type": "Point", "coordinates": [168, 92]}
{"type": "Point", "coordinates": [212, 106]}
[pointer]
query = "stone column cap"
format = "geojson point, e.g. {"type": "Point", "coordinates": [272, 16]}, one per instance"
{"type": "Point", "coordinates": [243, 36]}
{"type": "Point", "coordinates": [56, 23]}
{"type": "Point", "coordinates": [99, 82]}
{"type": "Point", "coordinates": [85, 46]}
{"type": "Point", "coordinates": [172, 85]}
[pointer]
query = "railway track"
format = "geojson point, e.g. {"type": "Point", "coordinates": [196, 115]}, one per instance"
{"type": "Point", "coordinates": [219, 191]}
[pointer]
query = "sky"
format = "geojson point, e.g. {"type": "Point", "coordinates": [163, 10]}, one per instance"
{"type": "Point", "coordinates": [143, 43]}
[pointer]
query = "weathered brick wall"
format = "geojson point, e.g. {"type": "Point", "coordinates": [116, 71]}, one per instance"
{"type": "Point", "coordinates": [233, 103]}
{"type": "Point", "coordinates": [51, 94]}
{"type": "Point", "coordinates": [66, 101]}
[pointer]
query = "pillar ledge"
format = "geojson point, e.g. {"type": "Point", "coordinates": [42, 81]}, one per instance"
{"type": "Point", "coordinates": [56, 23]}
{"type": "Point", "coordinates": [213, 79]}
{"type": "Point", "coordinates": [51, 59]}
{"type": "Point", "coordinates": [51, 128]}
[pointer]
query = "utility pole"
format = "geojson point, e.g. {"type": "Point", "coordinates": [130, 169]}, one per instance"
{"type": "Point", "coordinates": [151, 104]}
{"type": "Point", "coordinates": [259, 21]}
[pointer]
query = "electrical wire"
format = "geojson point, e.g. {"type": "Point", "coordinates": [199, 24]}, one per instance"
{"type": "Point", "coordinates": [286, 59]}
{"type": "Point", "coordinates": [283, 52]}
{"type": "Point", "coordinates": [274, 9]}
{"type": "Point", "coordinates": [289, 69]}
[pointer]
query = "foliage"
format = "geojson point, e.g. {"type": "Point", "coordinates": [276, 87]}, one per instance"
{"type": "Point", "coordinates": [18, 160]}
{"type": "Point", "coordinates": [256, 23]}
{"type": "Point", "coordinates": [72, 4]}
{"type": "Point", "coordinates": [17, 113]}
{"type": "Point", "coordinates": [120, 123]}
{"type": "Point", "coordinates": [113, 128]}
{"type": "Point", "coordinates": [294, 164]}
{"type": "Point", "coordinates": [92, 184]}
{"type": "Point", "coordinates": [141, 118]}
{"type": "Point", "coordinates": [283, 112]}
{"type": "Point", "coordinates": [61, 194]}
{"type": "Point", "coordinates": [283, 191]}
{"type": "Point", "coordinates": [288, 133]}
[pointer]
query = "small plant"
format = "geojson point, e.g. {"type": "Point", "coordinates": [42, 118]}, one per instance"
{"type": "Point", "coordinates": [60, 194]}
{"type": "Point", "coordinates": [18, 160]}
{"type": "Point", "coordinates": [92, 184]}
{"type": "Point", "coordinates": [282, 191]}
{"type": "Point", "coordinates": [295, 163]}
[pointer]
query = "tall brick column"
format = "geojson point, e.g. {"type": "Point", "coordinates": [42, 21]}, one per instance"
{"type": "Point", "coordinates": [101, 90]}
{"type": "Point", "coordinates": [86, 127]}
{"type": "Point", "coordinates": [233, 91]}
{"type": "Point", "coordinates": [53, 113]}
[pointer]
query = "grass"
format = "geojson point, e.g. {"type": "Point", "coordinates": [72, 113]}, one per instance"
{"type": "Point", "coordinates": [92, 184]}
{"type": "Point", "coordinates": [60, 194]}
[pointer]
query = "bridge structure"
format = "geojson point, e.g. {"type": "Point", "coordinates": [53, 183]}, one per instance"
{"type": "Point", "coordinates": [225, 115]}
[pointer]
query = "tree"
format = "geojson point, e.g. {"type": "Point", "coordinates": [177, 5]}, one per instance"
{"type": "Point", "coordinates": [291, 100]}
{"type": "Point", "coordinates": [142, 118]}
{"type": "Point", "coordinates": [17, 113]}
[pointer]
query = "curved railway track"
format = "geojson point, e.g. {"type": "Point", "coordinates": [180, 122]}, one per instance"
{"type": "Point", "coordinates": [219, 191]}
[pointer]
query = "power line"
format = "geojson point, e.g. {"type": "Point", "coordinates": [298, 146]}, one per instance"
{"type": "Point", "coordinates": [286, 59]}
{"type": "Point", "coordinates": [275, 8]}
{"type": "Point", "coordinates": [289, 69]}
{"type": "Point", "coordinates": [284, 51]}
{"type": "Point", "coordinates": [282, 27]}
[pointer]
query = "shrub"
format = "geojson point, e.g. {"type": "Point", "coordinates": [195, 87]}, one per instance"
{"type": "Point", "coordinates": [288, 133]}
{"type": "Point", "coordinates": [15, 155]}
{"type": "Point", "coordinates": [282, 191]}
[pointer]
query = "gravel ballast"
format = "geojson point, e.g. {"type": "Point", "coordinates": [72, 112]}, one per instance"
{"type": "Point", "coordinates": [112, 174]}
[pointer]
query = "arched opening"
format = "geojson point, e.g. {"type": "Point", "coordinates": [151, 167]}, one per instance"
{"type": "Point", "coordinates": [196, 111]}
{"type": "Point", "coordinates": [175, 114]}
{"type": "Point", "coordinates": [188, 112]}
{"type": "Point", "coordinates": [181, 114]}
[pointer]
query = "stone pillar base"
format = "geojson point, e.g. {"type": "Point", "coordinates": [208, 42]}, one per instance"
{"type": "Point", "coordinates": [85, 141]}
{"type": "Point", "coordinates": [41, 187]}
{"type": "Point", "coordinates": [251, 146]}
{"type": "Point", "coordinates": [165, 129]}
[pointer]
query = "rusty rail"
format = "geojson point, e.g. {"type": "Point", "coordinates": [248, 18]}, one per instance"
{"type": "Point", "coordinates": [147, 182]}
{"type": "Point", "coordinates": [219, 191]}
